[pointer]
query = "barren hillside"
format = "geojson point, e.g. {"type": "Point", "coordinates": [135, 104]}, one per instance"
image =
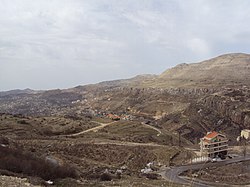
{"type": "Point", "coordinates": [229, 69]}
{"type": "Point", "coordinates": [159, 113]}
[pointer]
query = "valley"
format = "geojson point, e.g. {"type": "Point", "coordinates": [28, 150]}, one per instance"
{"type": "Point", "coordinates": [158, 119]}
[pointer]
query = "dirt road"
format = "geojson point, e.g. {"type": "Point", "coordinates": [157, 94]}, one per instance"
{"type": "Point", "coordinates": [127, 143]}
{"type": "Point", "coordinates": [95, 129]}
{"type": "Point", "coordinates": [151, 127]}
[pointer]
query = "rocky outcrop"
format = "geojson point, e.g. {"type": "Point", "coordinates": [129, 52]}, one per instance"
{"type": "Point", "coordinates": [236, 106]}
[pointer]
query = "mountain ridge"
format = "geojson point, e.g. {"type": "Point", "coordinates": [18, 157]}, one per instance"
{"type": "Point", "coordinates": [193, 106]}
{"type": "Point", "coordinates": [223, 70]}
{"type": "Point", "coordinates": [226, 69]}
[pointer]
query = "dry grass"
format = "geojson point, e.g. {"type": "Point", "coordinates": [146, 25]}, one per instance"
{"type": "Point", "coordinates": [34, 127]}
{"type": "Point", "coordinates": [102, 120]}
{"type": "Point", "coordinates": [17, 161]}
{"type": "Point", "coordinates": [131, 132]}
{"type": "Point", "coordinates": [237, 174]}
{"type": "Point", "coordinates": [91, 153]}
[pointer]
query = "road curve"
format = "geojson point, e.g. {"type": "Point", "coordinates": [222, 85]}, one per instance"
{"type": "Point", "coordinates": [172, 174]}
{"type": "Point", "coordinates": [151, 127]}
{"type": "Point", "coordinates": [95, 129]}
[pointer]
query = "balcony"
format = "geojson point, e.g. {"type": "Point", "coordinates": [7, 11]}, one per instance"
{"type": "Point", "coordinates": [222, 141]}
{"type": "Point", "coordinates": [215, 151]}
{"type": "Point", "coordinates": [214, 147]}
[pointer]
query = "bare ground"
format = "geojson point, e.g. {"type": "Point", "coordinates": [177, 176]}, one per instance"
{"type": "Point", "coordinates": [126, 146]}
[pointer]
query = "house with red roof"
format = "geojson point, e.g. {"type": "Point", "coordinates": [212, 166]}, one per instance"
{"type": "Point", "coordinates": [214, 145]}
{"type": "Point", "coordinates": [114, 117]}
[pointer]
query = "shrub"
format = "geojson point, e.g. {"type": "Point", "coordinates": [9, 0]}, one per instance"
{"type": "Point", "coordinates": [106, 177]}
{"type": "Point", "coordinates": [23, 122]}
{"type": "Point", "coordinates": [4, 140]}
{"type": "Point", "coordinates": [15, 160]}
{"type": "Point", "coordinates": [152, 176]}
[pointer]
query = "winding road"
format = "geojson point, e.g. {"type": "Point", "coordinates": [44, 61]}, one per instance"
{"type": "Point", "coordinates": [95, 129]}
{"type": "Point", "coordinates": [172, 174]}
{"type": "Point", "coordinates": [102, 125]}
{"type": "Point", "coordinates": [151, 127]}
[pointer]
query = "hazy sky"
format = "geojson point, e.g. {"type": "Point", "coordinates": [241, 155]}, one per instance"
{"type": "Point", "coordinates": [48, 44]}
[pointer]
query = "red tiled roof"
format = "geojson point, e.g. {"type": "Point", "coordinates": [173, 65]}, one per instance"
{"type": "Point", "coordinates": [112, 116]}
{"type": "Point", "coordinates": [211, 135]}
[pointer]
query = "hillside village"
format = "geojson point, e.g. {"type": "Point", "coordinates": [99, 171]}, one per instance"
{"type": "Point", "coordinates": [137, 130]}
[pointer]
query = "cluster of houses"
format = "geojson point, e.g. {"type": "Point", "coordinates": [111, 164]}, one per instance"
{"type": "Point", "coordinates": [110, 115]}
{"type": "Point", "coordinates": [114, 116]}
{"type": "Point", "coordinates": [120, 117]}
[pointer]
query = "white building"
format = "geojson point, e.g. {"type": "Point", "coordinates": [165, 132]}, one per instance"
{"type": "Point", "coordinates": [245, 134]}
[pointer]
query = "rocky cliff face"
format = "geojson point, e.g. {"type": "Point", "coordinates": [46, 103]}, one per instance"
{"type": "Point", "coordinates": [233, 104]}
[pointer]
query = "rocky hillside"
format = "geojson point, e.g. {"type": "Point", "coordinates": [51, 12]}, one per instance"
{"type": "Point", "coordinates": [229, 69]}
{"type": "Point", "coordinates": [189, 98]}
{"type": "Point", "coordinates": [15, 92]}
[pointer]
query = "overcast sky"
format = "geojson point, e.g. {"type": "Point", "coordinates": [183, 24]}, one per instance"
{"type": "Point", "coordinates": [47, 44]}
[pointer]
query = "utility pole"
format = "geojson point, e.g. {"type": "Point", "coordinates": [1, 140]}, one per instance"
{"type": "Point", "coordinates": [179, 138]}
{"type": "Point", "coordinates": [191, 158]}
{"type": "Point", "coordinates": [245, 147]}
{"type": "Point", "coordinates": [171, 140]}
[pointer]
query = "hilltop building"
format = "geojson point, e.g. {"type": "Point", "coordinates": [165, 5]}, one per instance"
{"type": "Point", "coordinates": [245, 134]}
{"type": "Point", "coordinates": [213, 145]}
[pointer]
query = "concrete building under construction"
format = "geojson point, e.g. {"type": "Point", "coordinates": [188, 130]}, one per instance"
{"type": "Point", "coordinates": [214, 145]}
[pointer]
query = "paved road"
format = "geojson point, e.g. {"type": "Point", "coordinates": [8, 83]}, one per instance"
{"type": "Point", "coordinates": [172, 174]}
